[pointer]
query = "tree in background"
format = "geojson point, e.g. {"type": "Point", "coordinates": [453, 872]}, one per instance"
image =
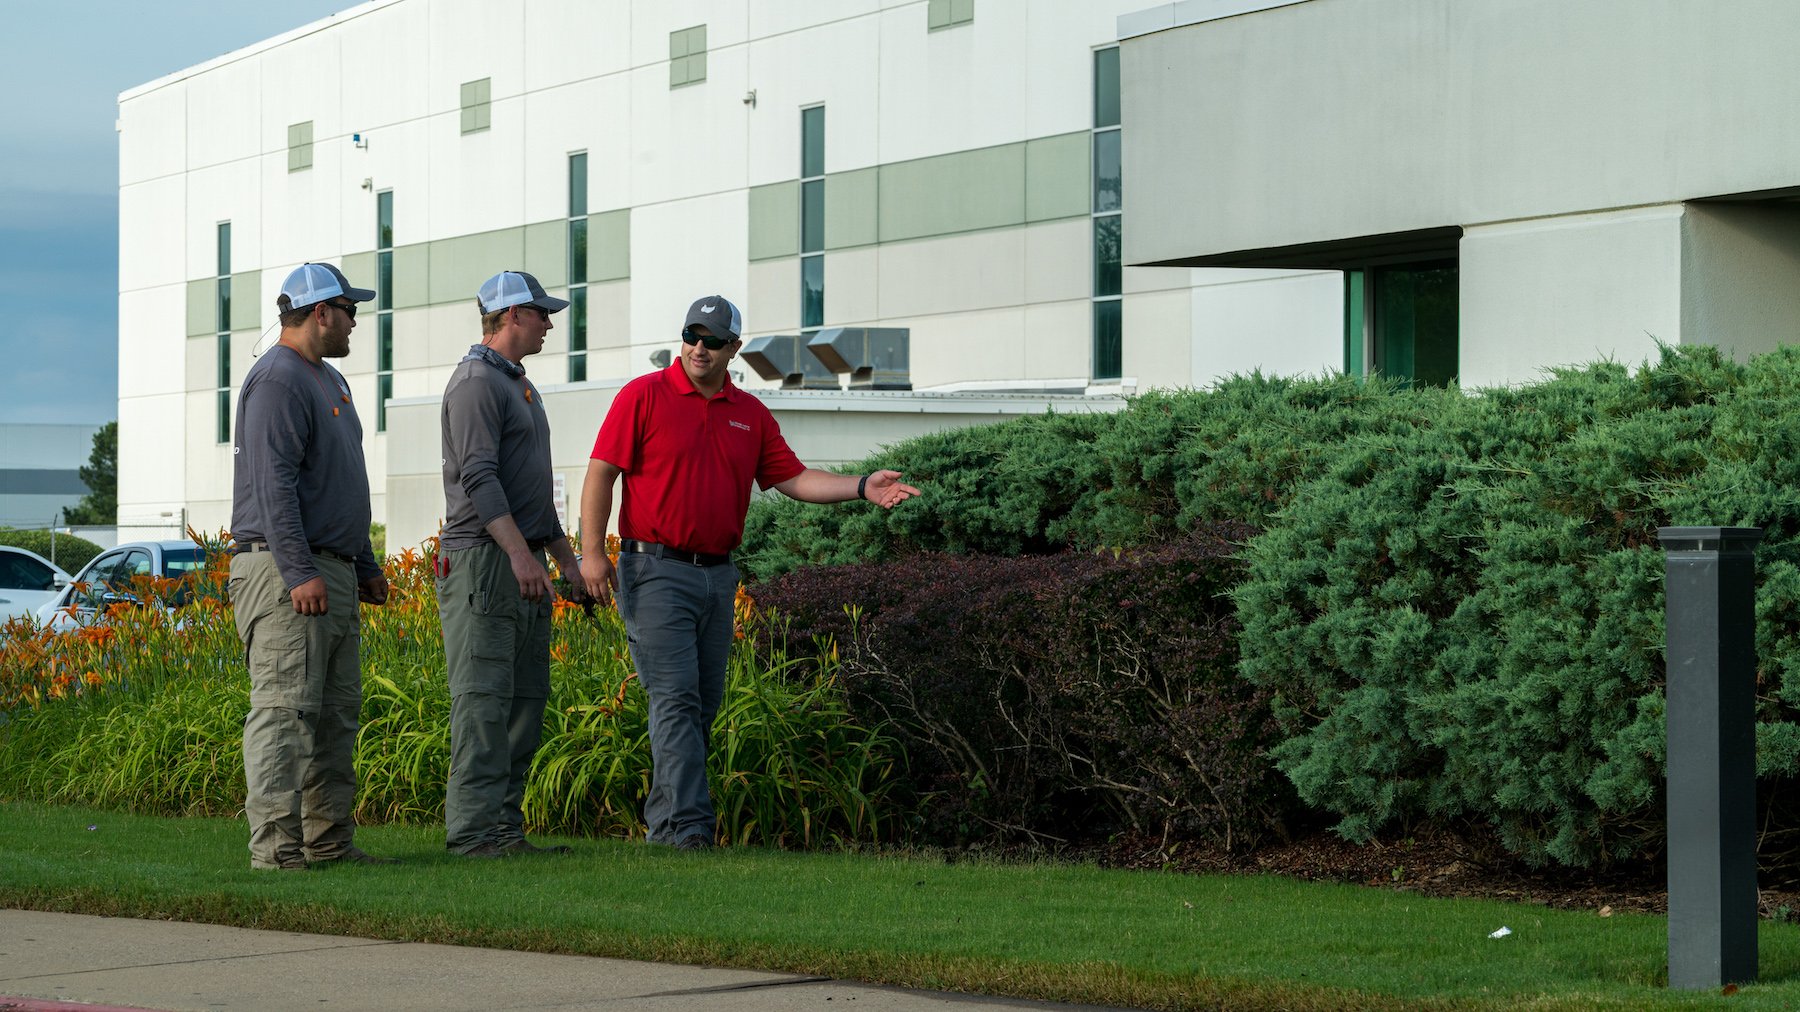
{"type": "Point", "coordinates": [101, 476]}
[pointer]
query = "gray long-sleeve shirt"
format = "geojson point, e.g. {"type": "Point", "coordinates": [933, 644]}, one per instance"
{"type": "Point", "coordinates": [298, 480]}
{"type": "Point", "coordinates": [496, 442]}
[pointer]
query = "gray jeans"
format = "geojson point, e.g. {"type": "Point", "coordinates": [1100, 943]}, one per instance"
{"type": "Point", "coordinates": [678, 617]}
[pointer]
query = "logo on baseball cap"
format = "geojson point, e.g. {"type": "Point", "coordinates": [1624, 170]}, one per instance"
{"type": "Point", "coordinates": [516, 288]}
{"type": "Point", "coordinates": [310, 283]}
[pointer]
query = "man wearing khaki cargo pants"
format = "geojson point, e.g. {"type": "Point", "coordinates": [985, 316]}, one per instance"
{"type": "Point", "coordinates": [494, 593]}
{"type": "Point", "coordinates": [301, 560]}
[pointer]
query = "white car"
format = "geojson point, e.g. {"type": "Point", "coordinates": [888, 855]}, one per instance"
{"type": "Point", "coordinates": [28, 581]}
{"type": "Point", "coordinates": [107, 580]}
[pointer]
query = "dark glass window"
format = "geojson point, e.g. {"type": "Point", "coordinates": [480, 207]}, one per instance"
{"type": "Point", "coordinates": [812, 142]}
{"type": "Point", "coordinates": [384, 220]}
{"type": "Point", "coordinates": [1106, 254]}
{"type": "Point", "coordinates": [1108, 341]}
{"type": "Point", "coordinates": [384, 280]}
{"type": "Point", "coordinates": [812, 216]}
{"type": "Point", "coordinates": [384, 389]}
{"type": "Point", "coordinates": [812, 292]}
{"type": "Point", "coordinates": [224, 249]}
{"type": "Point", "coordinates": [578, 250]}
{"type": "Point", "coordinates": [1107, 177]}
{"type": "Point", "coordinates": [1106, 87]}
{"type": "Point", "coordinates": [578, 319]}
{"type": "Point", "coordinates": [384, 342]}
{"type": "Point", "coordinates": [578, 185]}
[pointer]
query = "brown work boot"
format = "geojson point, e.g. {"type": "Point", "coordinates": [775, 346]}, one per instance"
{"type": "Point", "coordinates": [485, 850]}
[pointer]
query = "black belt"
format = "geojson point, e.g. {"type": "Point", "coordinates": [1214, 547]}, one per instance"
{"type": "Point", "coordinates": [675, 554]}
{"type": "Point", "coordinates": [263, 546]}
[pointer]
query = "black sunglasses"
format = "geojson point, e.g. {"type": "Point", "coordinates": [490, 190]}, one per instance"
{"type": "Point", "coordinates": [349, 308]}
{"type": "Point", "coordinates": [713, 342]}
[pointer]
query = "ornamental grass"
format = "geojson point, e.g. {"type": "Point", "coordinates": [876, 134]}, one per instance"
{"type": "Point", "coordinates": [143, 710]}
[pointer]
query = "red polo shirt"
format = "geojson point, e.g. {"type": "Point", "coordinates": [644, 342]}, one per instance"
{"type": "Point", "coordinates": [689, 461]}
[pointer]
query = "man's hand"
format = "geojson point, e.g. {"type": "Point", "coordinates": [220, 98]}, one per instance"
{"type": "Point", "coordinates": [309, 597]}
{"type": "Point", "coordinates": [374, 590]}
{"type": "Point", "coordinates": [598, 576]}
{"type": "Point", "coordinates": [885, 489]}
{"type": "Point", "coordinates": [534, 579]}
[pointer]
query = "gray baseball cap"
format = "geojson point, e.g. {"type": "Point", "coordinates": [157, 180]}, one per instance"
{"type": "Point", "coordinates": [718, 315]}
{"type": "Point", "coordinates": [516, 288]}
{"type": "Point", "coordinates": [310, 283]}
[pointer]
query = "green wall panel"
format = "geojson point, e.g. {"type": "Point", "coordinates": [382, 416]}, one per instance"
{"type": "Point", "coordinates": [246, 301]}
{"type": "Point", "coordinates": [850, 208]}
{"type": "Point", "coordinates": [962, 192]}
{"type": "Point", "coordinates": [360, 269]}
{"type": "Point", "coordinates": [202, 314]}
{"type": "Point", "coordinates": [412, 275]}
{"type": "Point", "coordinates": [460, 265]}
{"type": "Point", "coordinates": [546, 254]}
{"type": "Point", "coordinates": [1057, 176]}
{"type": "Point", "coordinates": [775, 220]}
{"type": "Point", "coordinates": [609, 245]}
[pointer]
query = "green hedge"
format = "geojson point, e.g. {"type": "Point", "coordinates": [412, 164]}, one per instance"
{"type": "Point", "coordinates": [70, 552]}
{"type": "Point", "coordinates": [1456, 599]}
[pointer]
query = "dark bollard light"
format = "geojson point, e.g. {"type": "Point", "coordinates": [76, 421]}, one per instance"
{"type": "Point", "coordinates": [1711, 693]}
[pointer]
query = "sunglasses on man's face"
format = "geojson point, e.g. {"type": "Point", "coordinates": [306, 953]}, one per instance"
{"type": "Point", "coordinates": [349, 308]}
{"type": "Point", "coordinates": [712, 341]}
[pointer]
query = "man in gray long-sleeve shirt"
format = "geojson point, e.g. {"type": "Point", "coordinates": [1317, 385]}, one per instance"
{"type": "Point", "coordinates": [494, 592]}
{"type": "Point", "coordinates": [300, 562]}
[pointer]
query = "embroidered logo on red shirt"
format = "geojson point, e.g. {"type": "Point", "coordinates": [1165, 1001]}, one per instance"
{"type": "Point", "coordinates": [739, 425]}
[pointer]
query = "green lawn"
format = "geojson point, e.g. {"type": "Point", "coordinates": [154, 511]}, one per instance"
{"type": "Point", "coordinates": [1032, 930]}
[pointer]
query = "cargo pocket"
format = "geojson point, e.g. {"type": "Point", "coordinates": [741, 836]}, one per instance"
{"type": "Point", "coordinates": [276, 654]}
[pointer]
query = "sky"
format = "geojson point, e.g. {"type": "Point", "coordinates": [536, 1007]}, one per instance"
{"type": "Point", "coordinates": [59, 178]}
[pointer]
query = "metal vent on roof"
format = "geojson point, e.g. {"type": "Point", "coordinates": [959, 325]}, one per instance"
{"type": "Point", "coordinates": [876, 358]}
{"type": "Point", "coordinates": [782, 357]}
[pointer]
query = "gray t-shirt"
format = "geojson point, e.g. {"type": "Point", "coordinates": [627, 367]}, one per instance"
{"type": "Point", "coordinates": [496, 456]}
{"type": "Point", "coordinates": [298, 480]}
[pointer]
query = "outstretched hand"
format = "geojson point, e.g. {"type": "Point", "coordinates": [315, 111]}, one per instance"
{"type": "Point", "coordinates": [885, 489]}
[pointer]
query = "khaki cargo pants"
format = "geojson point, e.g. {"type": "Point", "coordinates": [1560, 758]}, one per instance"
{"type": "Point", "coordinates": [305, 702]}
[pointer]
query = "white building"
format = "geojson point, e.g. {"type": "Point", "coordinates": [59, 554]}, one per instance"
{"type": "Point", "coordinates": [1505, 184]}
{"type": "Point", "coordinates": [40, 472]}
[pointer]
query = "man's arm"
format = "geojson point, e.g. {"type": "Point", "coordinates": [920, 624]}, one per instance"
{"type": "Point", "coordinates": [596, 509]}
{"type": "Point", "coordinates": [883, 488]}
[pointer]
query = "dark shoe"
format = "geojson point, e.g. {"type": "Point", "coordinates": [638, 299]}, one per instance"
{"type": "Point", "coordinates": [283, 866]}
{"type": "Point", "coordinates": [694, 841]}
{"type": "Point", "coordinates": [355, 855]}
{"type": "Point", "coordinates": [524, 846]}
{"type": "Point", "coordinates": [485, 850]}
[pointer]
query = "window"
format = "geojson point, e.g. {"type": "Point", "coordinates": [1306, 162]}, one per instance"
{"type": "Point", "coordinates": [300, 146]}
{"type": "Point", "coordinates": [222, 338]}
{"type": "Point", "coordinates": [1109, 221]}
{"type": "Point", "coordinates": [384, 305]}
{"type": "Point", "coordinates": [949, 13]}
{"type": "Point", "coordinates": [475, 95]}
{"type": "Point", "coordinates": [812, 218]}
{"type": "Point", "coordinates": [578, 250]}
{"type": "Point", "coordinates": [1401, 321]}
{"type": "Point", "coordinates": [687, 56]}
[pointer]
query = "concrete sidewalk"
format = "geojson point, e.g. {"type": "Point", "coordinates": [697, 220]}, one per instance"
{"type": "Point", "coordinates": [49, 959]}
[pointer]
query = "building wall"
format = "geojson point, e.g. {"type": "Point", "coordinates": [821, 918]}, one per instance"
{"type": "Point", "coordinates": [957, 192]}
{"type": "Point", "coordinates": [1338, 118]}
{"type": "Point", "coordinates": [40, 472]}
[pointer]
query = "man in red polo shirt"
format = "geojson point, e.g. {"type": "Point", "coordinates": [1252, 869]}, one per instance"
{"type": "Point", "coordinates": [689, 443]}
